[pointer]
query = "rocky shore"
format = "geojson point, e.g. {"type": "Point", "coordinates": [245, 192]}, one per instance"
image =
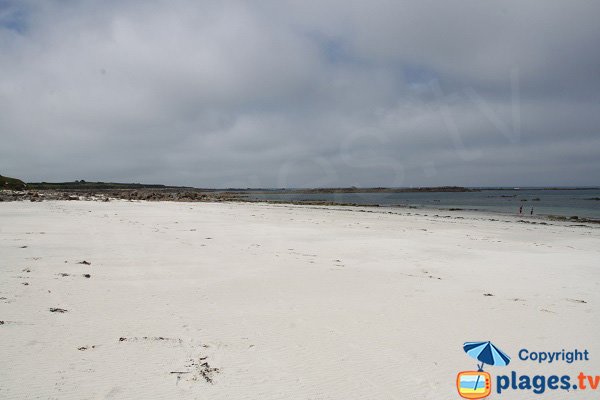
{"type": "Point", "coordinates": [117, 194]}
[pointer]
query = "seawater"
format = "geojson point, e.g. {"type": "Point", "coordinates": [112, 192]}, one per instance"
{"type": "Point", "coordinates": [582, 203]}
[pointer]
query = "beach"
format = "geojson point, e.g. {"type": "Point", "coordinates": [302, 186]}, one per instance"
{"type": "Point", "coordinates": [164, 300]}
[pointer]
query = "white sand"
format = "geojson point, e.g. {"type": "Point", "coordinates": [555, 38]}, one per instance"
{"type": "Point", "coordinates": [288, 302]}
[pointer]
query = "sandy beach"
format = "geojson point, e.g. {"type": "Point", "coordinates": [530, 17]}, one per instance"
{"type": "Point", "coordinates": [165, 300]}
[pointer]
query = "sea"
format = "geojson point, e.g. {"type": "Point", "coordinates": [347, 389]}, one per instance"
{"type": "Point", "coordinates": [582, 203]}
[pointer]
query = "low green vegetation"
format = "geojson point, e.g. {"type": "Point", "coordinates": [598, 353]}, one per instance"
{"type": "Point", "coordinates": [11, 183]}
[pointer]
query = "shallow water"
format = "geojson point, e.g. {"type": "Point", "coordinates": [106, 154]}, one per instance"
{"type": "Point", "coordinates": [566, 203]}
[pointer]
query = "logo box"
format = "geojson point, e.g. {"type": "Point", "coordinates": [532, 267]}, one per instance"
{"type": "Point", "coordinates": [474, 384]}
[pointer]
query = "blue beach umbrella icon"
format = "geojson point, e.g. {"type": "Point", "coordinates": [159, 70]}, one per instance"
{"type": "Point", "coordinates": [487, 353]}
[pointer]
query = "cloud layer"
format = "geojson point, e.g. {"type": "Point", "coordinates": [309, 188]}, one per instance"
{"type": "Point", "coordinates": [301, 94]}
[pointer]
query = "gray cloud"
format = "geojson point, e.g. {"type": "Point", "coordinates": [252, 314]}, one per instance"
{"type": "Point", "coordinates": [295, 93]}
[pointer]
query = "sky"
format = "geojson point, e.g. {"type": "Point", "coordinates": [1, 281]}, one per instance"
{"type": "Point", "coordinates": [278, 93]}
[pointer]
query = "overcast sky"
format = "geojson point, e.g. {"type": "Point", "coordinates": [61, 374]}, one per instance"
{"type": "Point", "coordinates": [301, 93]}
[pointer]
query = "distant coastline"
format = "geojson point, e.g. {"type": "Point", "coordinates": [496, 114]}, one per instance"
{"type": "Point", "coordinates": [555, 203]}
{"type": "Point", "coordinates": [14, 183]}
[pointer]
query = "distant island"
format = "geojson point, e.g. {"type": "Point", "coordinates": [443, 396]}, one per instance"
{"type": "Point", "coordinates": [354, 189]}
{"type": "Point", "coordinates": [84, 185]}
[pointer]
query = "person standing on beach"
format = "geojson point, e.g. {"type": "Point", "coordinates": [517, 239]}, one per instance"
{"type": "Point", "coordinates": [521, 209]}
{"type": "Point", "coordinates": [531, 212]}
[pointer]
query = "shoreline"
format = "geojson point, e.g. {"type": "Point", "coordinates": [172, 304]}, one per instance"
{"type": "Point", "coordinates": [184, 195]}
{"type": "Point", "coordinates": [482, 212]}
